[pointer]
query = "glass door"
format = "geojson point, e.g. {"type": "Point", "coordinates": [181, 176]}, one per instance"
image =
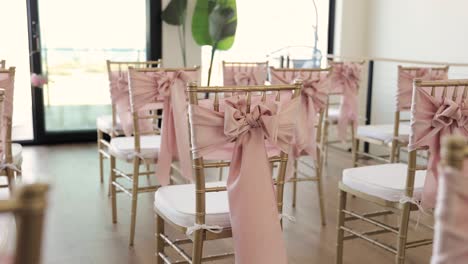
{"type": "Point", "coordinates": [73, 41]}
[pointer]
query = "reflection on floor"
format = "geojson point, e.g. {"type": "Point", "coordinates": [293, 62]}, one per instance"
{"type": "Point", "coordinates": [79, 228]}
{"type": "Point", "coordinates": [74, 117]}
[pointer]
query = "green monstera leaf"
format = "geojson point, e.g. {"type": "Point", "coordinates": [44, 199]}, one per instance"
{"type": "Point", "coordinates": [214, 23]}
{"type": "Point", "coordinates": [175, 12]}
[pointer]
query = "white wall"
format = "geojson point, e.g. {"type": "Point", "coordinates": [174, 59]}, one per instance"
{"type": "Point", "coordinates": [427, 30]}
{"type": "Point", "coordinates": [172, 56]}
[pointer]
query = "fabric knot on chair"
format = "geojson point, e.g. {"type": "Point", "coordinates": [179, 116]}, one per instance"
{"type": "Point", "coordinates": [314, 89]}
{"type": "Point", "coordinates": [244, 78]}
{"type": "Point", "coordinates": [211, 228]}
{"type": "Point", "coordinates": [449, 113]}
{"type": "Point", "coordinates": [253, 121]}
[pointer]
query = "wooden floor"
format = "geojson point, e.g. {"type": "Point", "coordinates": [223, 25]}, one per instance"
{"type": "Point", "coordinates": [79, 228]}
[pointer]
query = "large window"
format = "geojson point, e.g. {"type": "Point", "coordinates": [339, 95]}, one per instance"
{"type": "Point", "coordinates": [266, 26]}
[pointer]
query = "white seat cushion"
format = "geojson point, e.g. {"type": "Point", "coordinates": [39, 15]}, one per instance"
{"type": "Point", "coordinates": [333, 114]}
{"type": "Point", "coordinates": [104, 123]}
{"type": "Point", "coordinates": [123, 147]}
{"type": "Point", "coordinates": [177, 203]}
{"type": "Point", "coordinates": [383, 132]}
{"type": "Point", "coordinates": [386, 181]}
{"type": "Point", "coordinates": [17, 153]}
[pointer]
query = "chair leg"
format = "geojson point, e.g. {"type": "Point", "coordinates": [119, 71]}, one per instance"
{"type": "Point", "coordinates": [113, 191]}
{"type": "Point", "coordinates": [197, 252]}
{"type": "Point", "coordinates": [136, 172]}
{"type": "Point", "coordinates": [325, 141]}
{"type": "Point", "coordinates": [402, 235]}
{"type": "Point", "coordinates": [355, 150]}
{"type": "Point", "coordinates": [340, 232]}
{"type": "Point", "coordinates": [220, 177]}
{"type": "Point", "coordinates": [398, 152]}
{"type": "Point", "coordinates": [101, 158]}
{"type": "Point", "coordinates": [159, 241]}
{"type": "Point", "coordinates": [320, 196]}
{"type": "Point", "coordinates": [10, 174]}
{"type": "Point", "coordinates": [294, 194]}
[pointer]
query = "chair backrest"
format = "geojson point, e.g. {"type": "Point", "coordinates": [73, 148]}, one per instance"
{"type": "Point", "coordinates": [7, 82]}
{"type": "Point", "coordinates": [118, 82]}
{"type": "Point", "coordinates": [451, 227]}
{"type": "Point", "coordinates": [251, 101]}
{"type": "Point", "coordinates": [245, 73]}
{"type": "Point", "coordinates": [28, 205]}
{"type": "Point", "coordinates": [148, 89]}
{"type": "Point", "coordinates": [406, 77]}
{"type": "Point", "coordinates": [439, 109]}
{"type": "Point", "coordinates": [2, 64]}
{"type": "Point", "coordinates": [315, 78]}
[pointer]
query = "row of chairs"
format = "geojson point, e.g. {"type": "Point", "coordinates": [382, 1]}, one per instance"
{"type": "Point", "coordinates": [22, 207]}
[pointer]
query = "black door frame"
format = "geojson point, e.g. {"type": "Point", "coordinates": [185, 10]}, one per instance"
{"type": "Point", "coordinates": [154, 52]}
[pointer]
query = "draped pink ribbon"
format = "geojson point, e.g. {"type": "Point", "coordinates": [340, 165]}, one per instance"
{"type": "Point", "coordinates": [405, 83]}
{"type": "Point", "coordinates": [7, 83]}
{"type": "Point", "coordinates": [432, 119]}
{"type": "Point", "coordinates": [235, 75]}
{"type": "Point", "coordinates": [121, 99]}
{"type": "Point", "coordinates": [451, 214]}
{"type": "Point", "coordinates": [314, 99]}
{"type": "Point", "coordinates": [168, 87]}
{"type": "Point", "coordinates": [253, 210]}
{"type": "Point", "coordinates": [345, 80]}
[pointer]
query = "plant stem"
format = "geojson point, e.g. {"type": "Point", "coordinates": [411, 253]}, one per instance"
{"type": "Point", "coordinates": [182, 44]}
{"type": "Point", "coordinates": [213, 50]}
{"type": "Point", "coordinates": [184, 50]}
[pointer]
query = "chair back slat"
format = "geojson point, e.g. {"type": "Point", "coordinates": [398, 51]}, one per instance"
{"type": "Point", "coordinates": [7, 82]}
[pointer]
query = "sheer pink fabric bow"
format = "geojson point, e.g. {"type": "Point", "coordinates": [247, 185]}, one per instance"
{"type": "Point", "coordinates": [433, 118]}
{"type": "Point", "coordinates": [345, 79]}
{"type": "Point", "coordinates": [405, 83]}
{"type": "Point", "coordinates": [121, 99]}
{"type": "Point", "coordinates": [314, 99]}
{"type": "Point", "coordinates": [7, 83]}
{"type": "Point", "coordinates": [451, 214]}
{"type": "Point", "coordinates": [169, 88]}
{"type": "Point", "coordinates": [233, 75]}
{"type": "Point", "coordinates": [253, 210]}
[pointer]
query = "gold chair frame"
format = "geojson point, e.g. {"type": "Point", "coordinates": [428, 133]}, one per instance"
{"type": "Point", "coordinates": [8, 172]}
{"type": "Point", "coordinates": [103, 144]}
{"type": "Point", "coordinates": [133, 178]}
{"type": "Point", "coordinates": [402, 209]}
{"type": "Point", "coordinates": [454, 152]}
{"type": "Point", "coordinates": [328, 123]}
{"type": "Point", "coordinates": [199, 166]}
{"type": "Point", "coordinates": [2, 64]}
{"type": "Point", "coordinates": [320, 140]}
{"type": "Point", "coordinates": [28, 204]}
{"type": "Point", "coordinates": [396, 144]}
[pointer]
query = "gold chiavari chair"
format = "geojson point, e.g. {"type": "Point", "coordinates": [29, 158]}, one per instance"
{"type": "Point", "coordinates": [12, 152]}
{"type": "Point", "coordinates": [140, 149]}
{"type": "Point", "coordinates": [394, 136]}
{"type": "Point", "coordinates": [284, 75]}
{"type": "Point", "coordinates": [175, 205]}
{"type": "Point", "coordinates": [110, 125]}
{"type": "Point", "coordinates": [397, 187]}
{"type": "Point", "coordinates": [332, 113]}
{"type": "Point", "coordinates": [28, 205]}
{"type": "Point", "coordinates": [2, 64]}
{"type": "Point", "coordinates": [450, 232]}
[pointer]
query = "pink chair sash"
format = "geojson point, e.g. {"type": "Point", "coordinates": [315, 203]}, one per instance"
{"type": "Point", "coordinates": [238, 75]}
{"type": "Point", "coordinates": [314, 98]}
{"type": "Point", "coordinates": [7, 83]}
{"type": "Point", "coordinates": [253, 210]}
{"type": "Point", "coordinates": [405, 83]}
{"type": "Point", "coordinates": [168, 87]}
{"type": "Point", "coordinates": [345, 80]}
{"type": "Point", "coordinates": [451, 214]}
{"type": "Point", "coordinates": [121, 99]}
{"type": "Point", "coordinates": [433, 118]}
